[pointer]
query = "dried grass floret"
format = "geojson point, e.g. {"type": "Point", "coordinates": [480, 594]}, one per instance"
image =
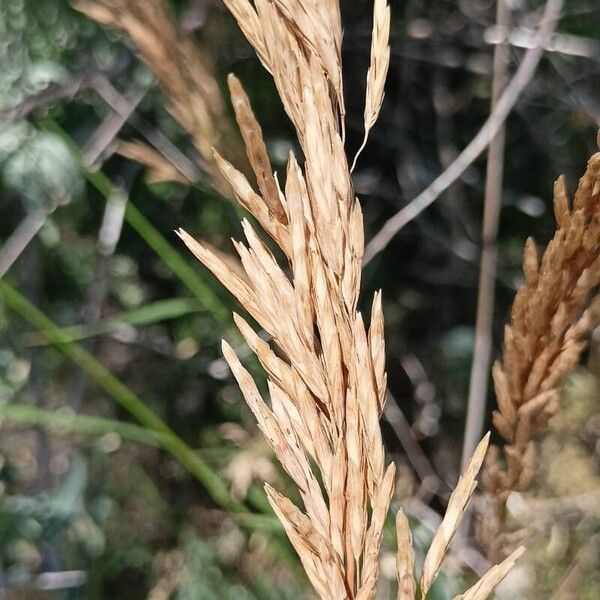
{"type": "Point", "coordinates": [550, 319]}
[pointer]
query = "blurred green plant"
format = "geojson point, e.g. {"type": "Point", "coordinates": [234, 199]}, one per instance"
{"type": "Point", "coordinates": [133, 216]}
{"type": "Point", "coordinates": [46, 519]}
{"type": "Point", "coordinates": [136, 407]}
{"type": "Point", "coordinates": [153, 312]}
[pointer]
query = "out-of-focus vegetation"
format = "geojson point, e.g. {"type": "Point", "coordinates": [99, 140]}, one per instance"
{"type": "Point", "coordinates": [126, 451]}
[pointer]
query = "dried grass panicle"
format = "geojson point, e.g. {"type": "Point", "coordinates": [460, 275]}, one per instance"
{"type": "Point", "coordinates": [183, 70]}
{"type": "Point", "coordinates": [405, 559]}
{"type": "Point", "coordinates": [442, 538]}
{"type": "Point", "coordinates": [327, 382]}
{"type": "Point", "coordinates": [327, 379]}
{"type": "Point", "coordinates": [543, 342]}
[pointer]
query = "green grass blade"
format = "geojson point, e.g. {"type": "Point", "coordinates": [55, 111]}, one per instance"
{"type": "Point", "coordinates": [186, 273]}
{"type": "Point", "coordinates": [135, 219]}
{"type": "Point", "coordinates": [67, 421]}
{"type": "Point", "coordinates": [153, 312]}
{"type": "Point", "coordinates": [136, 407]}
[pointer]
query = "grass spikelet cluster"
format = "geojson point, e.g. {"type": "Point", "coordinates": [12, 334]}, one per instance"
{"type": "Point", "coordinates": [325, 367]}
{"type": "Point", "coordinates": [543, 342]}
{"type": "Point", "coordinates": [457, 505]}
{"type": "Point", "coordinates": [378, 68]}
{"type": "Point", "coordinates": [326, 395]}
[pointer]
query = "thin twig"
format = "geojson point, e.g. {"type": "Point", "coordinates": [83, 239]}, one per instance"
{"type": "Point", "coordinates": [484, 321]}
{"type": "Point", "coordinates": [479, 143]}
{"type": "Point", "coordinates": [106, 244]}
{"type": "Point", "coordinates": [20, 238]}
{"type": "Point", "coordinates": [120, 105]}
{"type": "Point", "coordinates": [107, 131]}
{"type": "Point", "coordinates": [414, 453]}
{"type": "Point", "coordinates": [558, 43]}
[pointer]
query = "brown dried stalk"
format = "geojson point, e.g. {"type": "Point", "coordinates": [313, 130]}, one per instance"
{"type": "Point", "coordinates": [542, 343]}
{"type": "Point", "coordinates": [183, 71]}
{"type": "Point", "coordinates": [327, 381]}
{"type": "Point", "coordinates": [326, 395]}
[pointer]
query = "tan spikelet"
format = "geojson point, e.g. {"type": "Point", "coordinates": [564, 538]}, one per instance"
{"type": "Point", "coordinates": [454, 513]}
{"type": "Point", "coordinates": [543, 342]}
{"type": "Point", "coordinates": [252, 202]}
{"type": "Point", "coordinates": [405, 559]}
{"type": "Point", "coordinates": [486, 584]}
{"type": "Point", "coordinates": [441, 540]}
{"type": "Point", "coordinates": [378, 68]}
{"type": "Point", "coordinates": [256, 149]}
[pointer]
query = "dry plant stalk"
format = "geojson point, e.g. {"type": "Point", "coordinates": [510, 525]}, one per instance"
{"type": "Point", "coordinates": [542, 344]}
{"type": "Point", "coordinates": [326, 396]}
{"type": "Point", "coordinates": [159, 169]}
{"type": "Point", "coordinates": [183, 71]}
{"type": "Point", "coordinates": [327, 381]}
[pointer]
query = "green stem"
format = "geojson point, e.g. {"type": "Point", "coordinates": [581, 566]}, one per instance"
{"type": "Point", "coordinates": [169, 440]}
{"type": "Point", "coordinates": [153, 312]}
{"type": "Point", "coordinates": [62, 420]}
{"type": "Point", "coordinates": [188, 276]}
{"type": "Point", "coordinates": [186, 273]}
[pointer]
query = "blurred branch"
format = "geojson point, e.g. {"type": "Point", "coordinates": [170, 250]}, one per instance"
{"type": "Point", "coordinates": [561, 43]}
{"type": "Point", "coordinates": [492, 203]}
{"type": "Point", "coordinates": [20, 239]}
{"type": "Point", "coordinates": [106, 244]}
{"type": "Point", "coordinates": [170, 442]}
{"type": "Point", "coordinates": [582, 96]}
{"type": "Point", "coordinates": [478, 144]}
{"type": "Point", "coordinates": [121, 106]}
{"type": "Point", "coordinates": [76, 85]}
{"type": "Point", "coordinates": [414, 453]}
{"type": "Point", "coordinates": [124, 110]}
{"type": "Point", "coordinates": [110, 127]}
{"type": "Point", "coordinates": [158, 167]}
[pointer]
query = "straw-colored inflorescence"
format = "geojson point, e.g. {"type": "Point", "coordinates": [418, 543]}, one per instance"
{"type": "Point", "coordinates": [183, 71]}
{"type": "Point", "coordinates": [378, 68]}
{"type": "Point", "coordinates": [543, 342]}
{"type": "Point", "coordinates": [327, 383]}
{"type": "Point", "coordinates": [457, 505]}
{"type": "Point", "coordinates": [327, 380]}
